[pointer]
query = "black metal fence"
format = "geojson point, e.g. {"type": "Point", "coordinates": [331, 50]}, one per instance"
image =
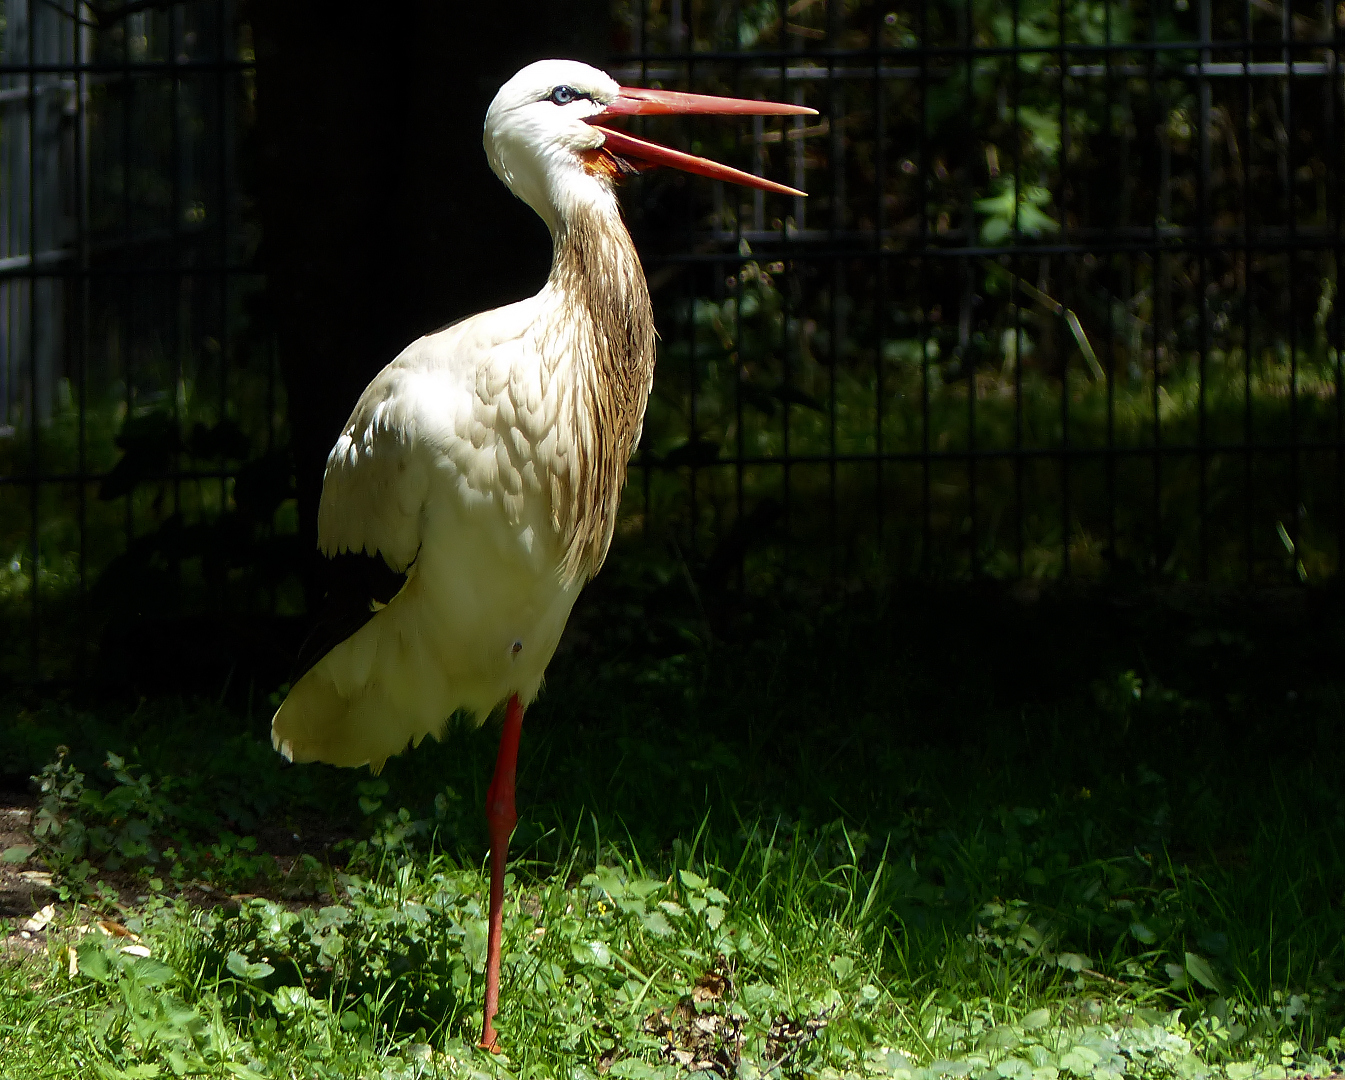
{"type": "Point", "coordinates": [1062, 301]}
{"type": "Point", "coordinates": [130, 387]}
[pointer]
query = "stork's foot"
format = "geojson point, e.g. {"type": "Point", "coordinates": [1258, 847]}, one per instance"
{"type": "Point", "coordinates": [501, 817]}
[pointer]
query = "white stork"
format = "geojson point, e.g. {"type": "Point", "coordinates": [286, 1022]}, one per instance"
{"type": "Point", "coordinates": [486, 461]}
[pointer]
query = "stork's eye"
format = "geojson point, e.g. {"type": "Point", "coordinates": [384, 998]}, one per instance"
{"type": "Point", "coordinates": [563, 95]}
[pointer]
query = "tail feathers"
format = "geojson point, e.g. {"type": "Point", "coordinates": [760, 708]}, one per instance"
{"type": "Point", "coordinates": [356, 586]}
{"type": "Point", "coordinates": [368, 697]}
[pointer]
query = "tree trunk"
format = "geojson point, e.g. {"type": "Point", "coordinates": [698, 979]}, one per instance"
{"type": "Point", "coordinates": [381, 220]}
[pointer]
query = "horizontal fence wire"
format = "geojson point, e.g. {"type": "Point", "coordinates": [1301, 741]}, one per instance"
{"type": "Point", "coordinates": [1061, 301]}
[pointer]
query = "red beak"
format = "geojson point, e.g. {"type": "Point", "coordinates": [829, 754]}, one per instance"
{"type": "Point", "coordinates": [637, 101]}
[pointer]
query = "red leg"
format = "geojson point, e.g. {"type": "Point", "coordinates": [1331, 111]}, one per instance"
{"type": "Point", "coordinates": [501, 819]}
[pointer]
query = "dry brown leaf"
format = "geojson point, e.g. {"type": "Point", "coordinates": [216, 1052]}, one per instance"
{"type": "Point", "coordinates": [709, 987]}
{"type": "Point", "coordinates": [708, 1025]}
{"type": "Point", "coordinates": [39, 919]}
{"type": "Point", "coordinates": [696, 1040]}
{"type": "Point", "coordinates": [786, 1037]}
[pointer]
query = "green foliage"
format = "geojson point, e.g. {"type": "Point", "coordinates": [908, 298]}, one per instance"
{"type": "Point", "coordinates": [138, 825]}
{"type": "Point", "coordinates": [777, 965]}
{"type": "Point", "coordinates": [235, 541]}
{"type": "Point", "coordinates": [757, 376]}
{"type": "Point", "coordinates": [1013, 400]}
{"type": "Point", "coordinates": [1004, 214]}
{"type": "Point", "coordinates": [192, 512]}
{"type": "Point", "coordinates": [903, 845]}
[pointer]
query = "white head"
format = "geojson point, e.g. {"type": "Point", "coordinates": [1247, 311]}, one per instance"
{"type": "Point", "coordinates": [543, 141]}
{"type": "Point", "coordinates": [537, 136]}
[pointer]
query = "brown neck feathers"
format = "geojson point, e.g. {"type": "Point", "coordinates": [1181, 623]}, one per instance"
{"type": "Point", "coordinates": [598, 271]}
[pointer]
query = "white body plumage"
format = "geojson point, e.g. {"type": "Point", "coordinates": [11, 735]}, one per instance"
{"type": "Point", "coordinates": [486, 462]}
{"type": "Point", "coordinates": [450, 467]}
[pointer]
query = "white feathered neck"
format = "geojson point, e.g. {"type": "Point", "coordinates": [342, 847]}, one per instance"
{"type": "Point", "coordinates": [606, 334]}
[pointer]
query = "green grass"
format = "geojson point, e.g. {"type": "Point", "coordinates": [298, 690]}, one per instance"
{"type": "Point", "coordinates": [948, 834]}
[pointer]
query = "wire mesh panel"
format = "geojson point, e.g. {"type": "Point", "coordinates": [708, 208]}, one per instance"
{"type": "Point", "coordinates": [132, 389]}
{"type": "Point", "coordinates": [1061, 301]}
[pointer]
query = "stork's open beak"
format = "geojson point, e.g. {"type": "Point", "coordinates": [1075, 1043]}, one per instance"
{"type": "Point", "coordinates": [637, 101]}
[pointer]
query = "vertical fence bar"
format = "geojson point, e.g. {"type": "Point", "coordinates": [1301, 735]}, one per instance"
{"type": "Point", "coordinates": [226, 88]}
{"type": "Point", "coordinates": [696, 459]}
{"type": "Point", "coordinates": [836, 109]}
{"type": "Point", "coordinates": [640, 35]}
{"type": "Point", "coordinates": [965, 348]}
{"type": "Point", "coordinates": [922, 171]}
{"type": "Point", "coordinates": [34, 425]}
{"type": "Point", "coordinates": [1110, 232]}
{"type": "Point", "coordinates": [739, 414]}
{"type": "Point", "coordinates": [176, 279]}
{"type": "Point", "coordinates": [1015, 294]}
{"type": "Point", "coordinates": [1248, 302]}
{"type": "Point", "coordinates": [880, 270]}
{"type": "Point", "coordinates": [1065, 452]}
{"type": "Point", "coordinates": [1291, 212]}
{"type": "Point", "coordinates": [1333, 140]}
{"type": "Point", "coordinates": [787, 375]}
{"type": "Point", "coordinates": [1159, 287]}
{"type": "Point", "coordinates": [80, 303]}
{"type": "Point", "coordinates": [127, 280]}
{"type": "Point", "coordinates": [1203, 260]}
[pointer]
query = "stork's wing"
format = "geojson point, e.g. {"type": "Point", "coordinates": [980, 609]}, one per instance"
{"type": "Point", "coordinates": [441, 411]}
{"type": "Point", "coordinates": [378, 474]}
